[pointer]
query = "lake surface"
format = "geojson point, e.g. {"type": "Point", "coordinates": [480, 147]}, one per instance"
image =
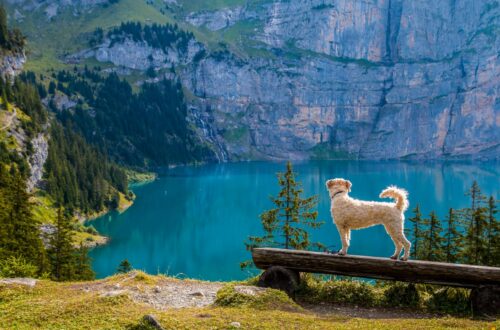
{"type": "Point", "coordinates": [192, 222]}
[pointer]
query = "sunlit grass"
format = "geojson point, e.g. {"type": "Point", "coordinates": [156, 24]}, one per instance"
{"type": "Point", "coordinates": [53, 305]}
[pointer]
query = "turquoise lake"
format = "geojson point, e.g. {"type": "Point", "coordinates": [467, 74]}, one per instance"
{"type": "Point", "coordinates": [192, 221]}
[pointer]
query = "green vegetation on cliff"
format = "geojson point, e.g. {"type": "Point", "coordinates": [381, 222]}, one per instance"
{"type": "Point", "coordinates": [141, 129]}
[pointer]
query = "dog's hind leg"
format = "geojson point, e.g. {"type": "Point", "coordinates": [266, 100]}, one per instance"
{"type": "Point", "coordinates": [396, 240]}
{"type": "Point", "coordinates": [407, 246]}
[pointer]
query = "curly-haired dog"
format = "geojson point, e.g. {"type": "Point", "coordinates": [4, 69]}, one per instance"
{"type": "Point", "coordinates": [349, 213]}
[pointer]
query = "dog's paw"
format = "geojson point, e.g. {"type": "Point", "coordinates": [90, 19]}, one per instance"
{"type": "Point", "coordinates": [403, 258]}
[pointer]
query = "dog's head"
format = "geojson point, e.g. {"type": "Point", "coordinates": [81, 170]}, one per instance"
{"type": "Point", "coordinates": [335, 186]}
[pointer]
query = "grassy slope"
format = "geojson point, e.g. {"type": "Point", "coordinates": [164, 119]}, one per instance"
{"type": "Point", "coordinates": [53, 305]}
{"type": "Point", "coordinates": [49, 41]}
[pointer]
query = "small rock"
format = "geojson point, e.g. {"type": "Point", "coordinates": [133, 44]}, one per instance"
{"type": "Point", "coordinates": [235, 324]}
{"type": "Point", "coordinates": [198, 294]}
{"type": "Point", "coordinates": [117, 286]}
{"type": "Point", "coordinates": [152, 321]}
{"type": "Point", "coordinates": [29, 282]}
{"type": "Point", "coordinates": [249, 290]}
{"type": "Point", "coordinates": [113, 293]}
{"type": "Point", "coordinates": [157, 289]}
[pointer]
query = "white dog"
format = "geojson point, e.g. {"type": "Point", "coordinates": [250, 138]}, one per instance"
{"type": "Point", "coordinates": [349, 213]}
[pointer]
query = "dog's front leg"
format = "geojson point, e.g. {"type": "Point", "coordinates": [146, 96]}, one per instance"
{"type": "Point", "coordinates": [344, 236]}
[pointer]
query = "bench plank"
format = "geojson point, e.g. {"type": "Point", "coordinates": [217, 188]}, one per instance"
{"type": "Point", "coordinates": [468, 276]}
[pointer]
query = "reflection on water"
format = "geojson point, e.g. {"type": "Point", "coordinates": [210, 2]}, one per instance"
{"type": "Point", "coordinates": [193, 220]}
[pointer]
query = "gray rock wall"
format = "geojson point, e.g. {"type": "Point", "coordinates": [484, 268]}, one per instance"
{"type": "Point", "coordinates": [344, 78]}
{"type": "Point", "coordinates": [378, 79]}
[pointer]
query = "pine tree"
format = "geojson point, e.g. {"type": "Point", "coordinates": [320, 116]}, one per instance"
{"type": "Point", "coordinates": [124, 267]}
{"type": "Point", "coordinates": [453, 238]}
{"type": "Point", "coordinates": [476, 198]}
{"type": "Point", "coordinates": [493, 237]}
{"type": "Point", "coordinates": [476, 222]}
{"type": "Point", "coordinates": [417, 222]}
{"type": "Point", "coordinates": [476, 240]}
{"type": "Point", "coordinates": [4, 30]}
{"type": "Point", "coordinates": [83, 267]}
{"type": "Point", "coordinates": [61, 251]}
{"type": "Point", "coordinates": [284, 225]}
{"type": "Point", "coordinates": [433, 240]}
{"type": "Point", "coordinates": [25, 233]}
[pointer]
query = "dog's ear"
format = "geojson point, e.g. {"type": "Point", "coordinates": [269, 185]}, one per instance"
{"type": "Point", "coordinates": [348, 185]}
{"type": "Point", "coordinates": [329, 184]}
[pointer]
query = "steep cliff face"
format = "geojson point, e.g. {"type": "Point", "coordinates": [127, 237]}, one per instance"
{"type": "Point", "coordinates": [11, 63]}
{"type": "Point", "coordinates": [373, 79]}
{"type": "Point", "coordinates": [52, 8]}
{"type": "Point", "coordinates": [335, 78]}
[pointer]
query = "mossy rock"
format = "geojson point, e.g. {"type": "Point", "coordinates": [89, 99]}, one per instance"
{"type": "Point", "coordinates": [233, 295]}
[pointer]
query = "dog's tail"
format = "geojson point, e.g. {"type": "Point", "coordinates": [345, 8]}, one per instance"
{"type": "Point", "coordinates": [400, 195]}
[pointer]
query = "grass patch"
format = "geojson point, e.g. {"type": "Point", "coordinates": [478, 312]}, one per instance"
{"type": "Point", "coordinates": [139, 177]}
{"type": "Point", "coordinates": [235, 135]}
{"type": "Point", "coordinates": [315, 289]}
{"type": "Point", "coordinates": [325, 151]}
{"type": "Point", "coordinates": [68, 306]}
{"type": "Point", "coordinates": [44, 209]}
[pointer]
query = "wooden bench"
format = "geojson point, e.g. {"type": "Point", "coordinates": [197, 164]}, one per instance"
{"type": "Point", "coordinates": [282, 268]}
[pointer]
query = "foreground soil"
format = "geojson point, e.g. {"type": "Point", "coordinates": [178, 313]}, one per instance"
{"type": "Point", "coordinates": [121, 302]}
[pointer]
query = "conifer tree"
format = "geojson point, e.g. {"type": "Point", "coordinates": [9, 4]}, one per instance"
{"type": "Point", "coordinates": [124, 267]}
{"type": "Point", "coordinates": [61, 250]}
{"type": "Point", "coordinates": [83, 267]}
{"type": "Point", "coordinates": [493, 237]}
{"type": "Point", "coordinates": [476, 223]}
{"type": "Point", "coordinates": [417, 222]}
{"type": "Point", "coordinates": [476, 198]}
{"type": "Point", "coordinates": [453, 238]}
{"type": "Point", "coordinates": [23, 230]}
{"type": "Point", "coordinates": [285, 224]}
{"type": "Point", "coordinates": [475, 239]}
{"type": "Point", "coordinates": [433, 240]}
{"type": "Point", "coordinates": [4, 29]}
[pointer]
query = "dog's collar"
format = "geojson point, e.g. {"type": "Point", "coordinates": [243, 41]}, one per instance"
{"type": "Point", "coordinates": [338, 192]}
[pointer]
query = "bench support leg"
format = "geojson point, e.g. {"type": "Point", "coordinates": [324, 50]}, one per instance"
{"type": "Point", "coordinates": [485, 300]}
{"type": "Point", "coordinates": [277, 277]}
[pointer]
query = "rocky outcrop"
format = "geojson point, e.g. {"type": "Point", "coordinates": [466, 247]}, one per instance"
{"type": "Point", "coordinates": [371, 79]}
{"type": "Point", "coordinates": [37, 161]}
{"type": "Point", "coordinates": [367, 79]}
{"type": "Point", "coordinates": [139, 55]}
{"type": "Point", "coordinates": [54, 7]}
{"type": "Point", "coordinates": [26, 282]}
{"type": "Point", "coordinates": [220, 19]}
{"type": "Point", "coordinates": [11, 63]}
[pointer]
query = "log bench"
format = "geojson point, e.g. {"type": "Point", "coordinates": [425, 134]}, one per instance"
{"type": "Point", "coordinates": [282, 268]}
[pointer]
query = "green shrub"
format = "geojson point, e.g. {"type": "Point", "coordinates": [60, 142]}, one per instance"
{"type": "Point", "coordinates": [91, 230]}
{"type": "Point", "coordinates": [401, 295]}
{"type": "Point", "coordinates": [17, 267]}
{"type": "Point", "coordinates": [450, 301]}
{"type": "Point", "coordinates": [315, 290]}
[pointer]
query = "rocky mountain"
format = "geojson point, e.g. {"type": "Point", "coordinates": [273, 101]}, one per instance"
{"type": "Point", "coordinates": [372, 79]}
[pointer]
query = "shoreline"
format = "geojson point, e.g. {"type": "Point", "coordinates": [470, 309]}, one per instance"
{"type": "Point", "coordinates": [124, 205]}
